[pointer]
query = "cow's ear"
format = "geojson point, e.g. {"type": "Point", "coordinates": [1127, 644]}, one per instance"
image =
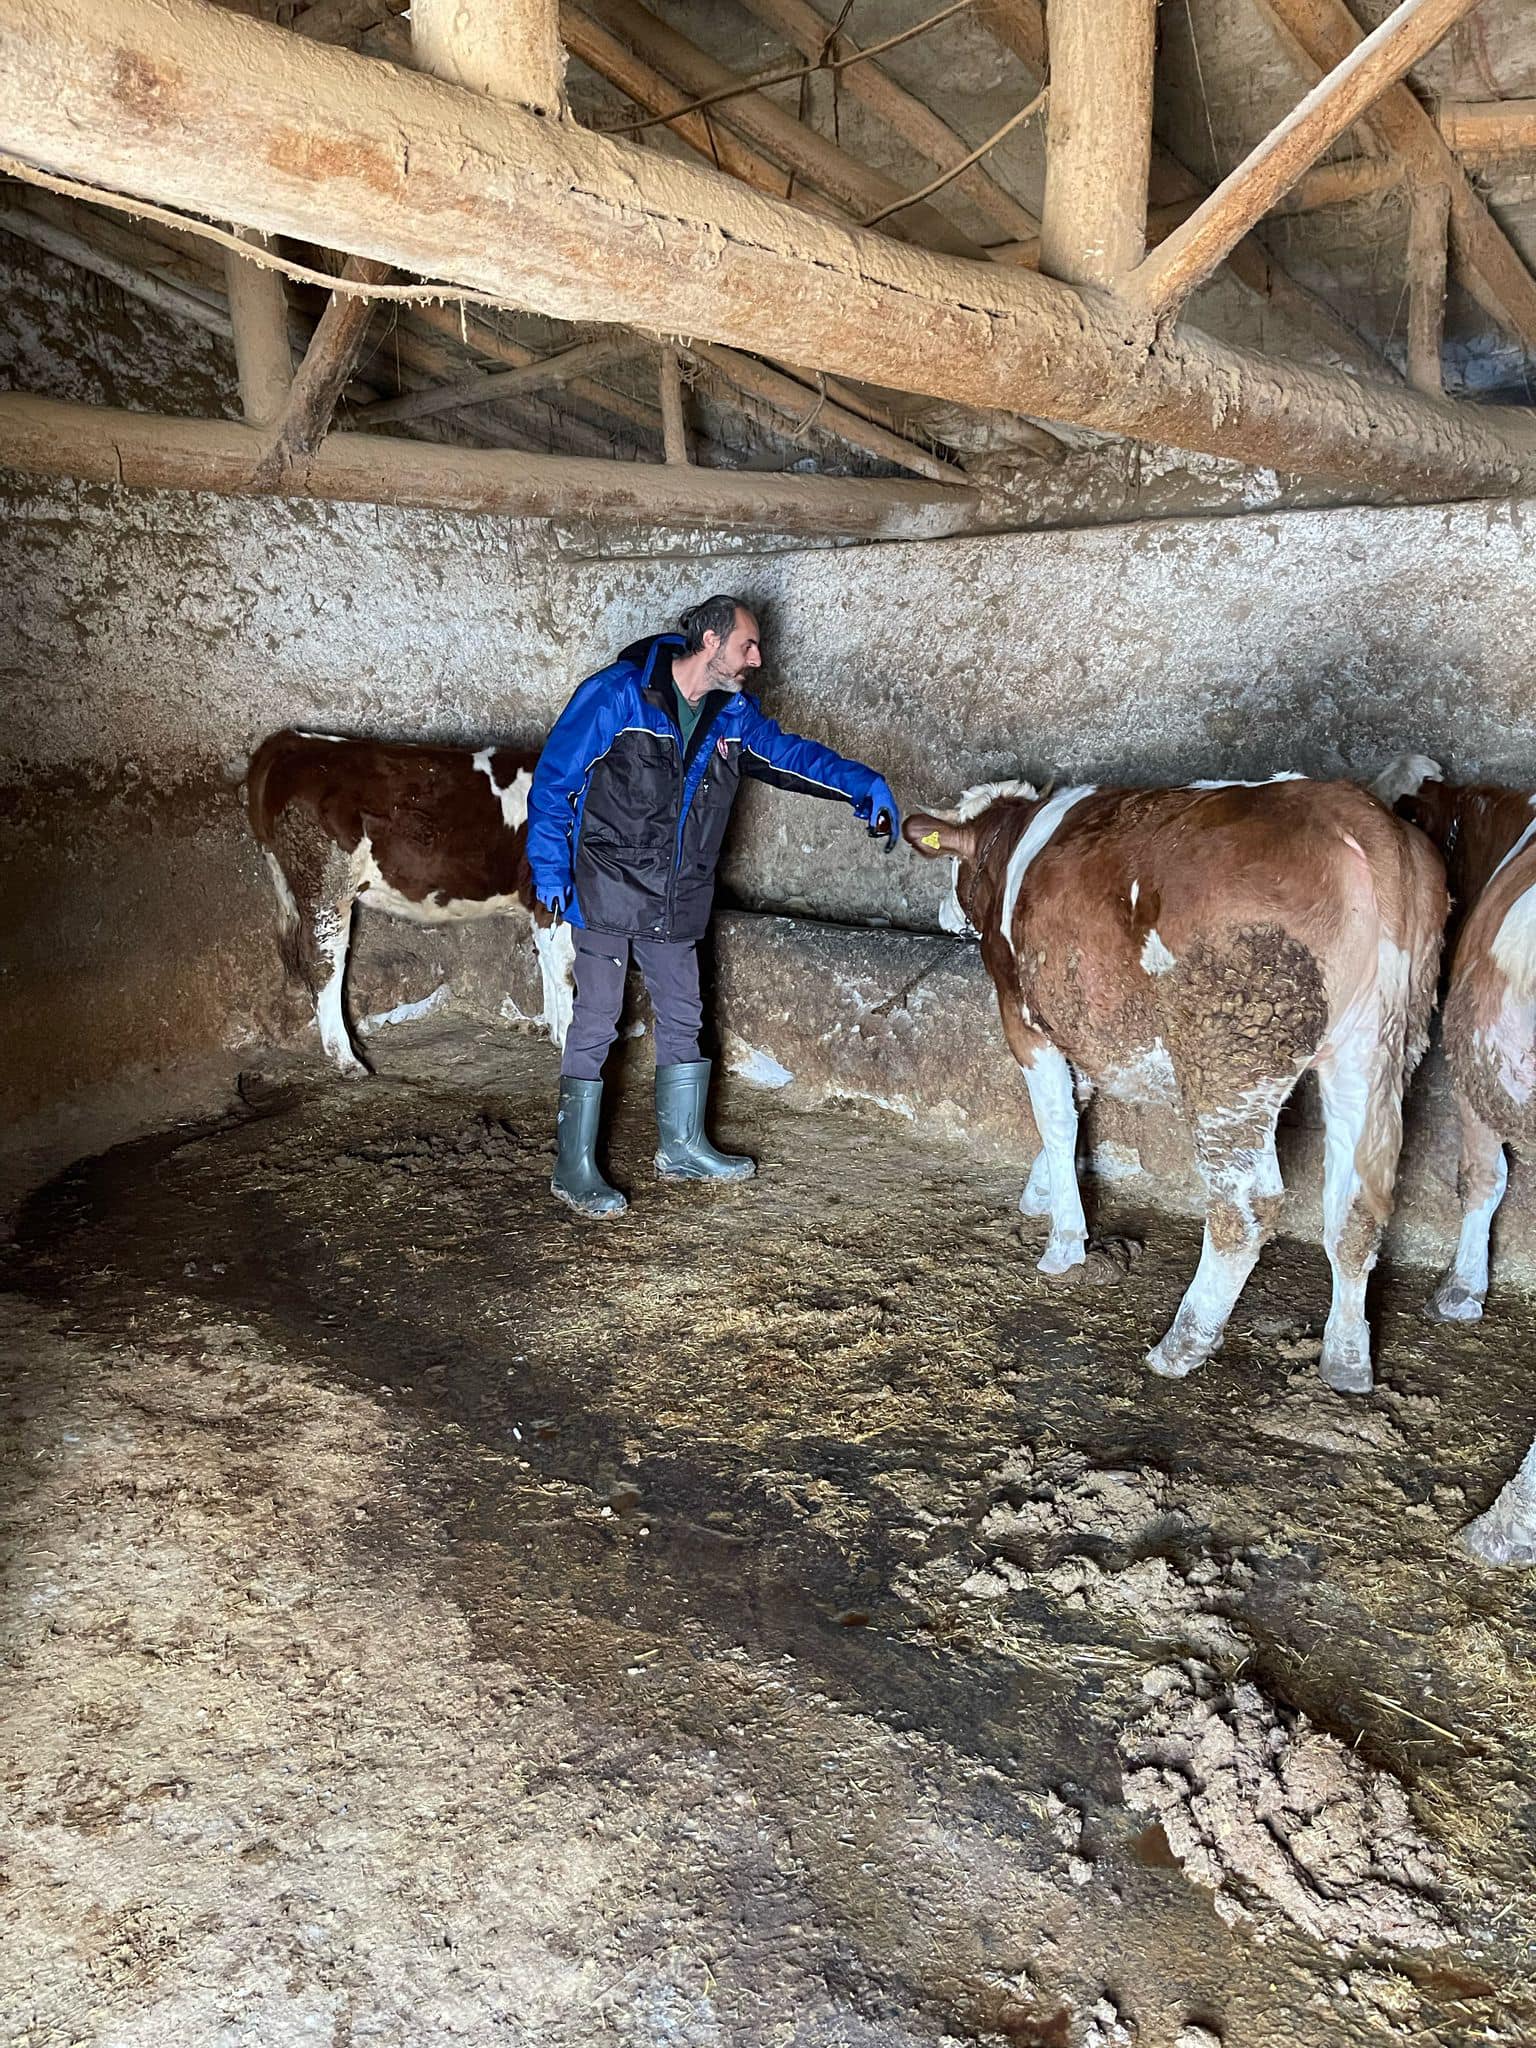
{"type": "Point", "coordinates": [939, 836]}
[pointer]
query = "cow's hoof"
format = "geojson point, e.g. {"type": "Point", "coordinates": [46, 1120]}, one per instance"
{"type": "Point", "coordinates": [1175, 1361]}
{"type": "Point", "coordinates": [1494, 1539]}
{"type": "Point", "coordinates": [1451, 1302]}
{"type": "Point", "coordinates": [1347, 1373]}
{"type": "Point", "coordinates": [1063, 1260]}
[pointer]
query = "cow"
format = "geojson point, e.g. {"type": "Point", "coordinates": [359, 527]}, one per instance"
{"type": "Point", "coordinates": [1201, 949]}
{"type": "Point", "coordinates": [433, 835]}
{"type": "Point", "coordinates": [1488, 1028]}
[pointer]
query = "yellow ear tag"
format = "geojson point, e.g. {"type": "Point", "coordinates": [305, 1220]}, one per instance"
{"type": "Point", "coordinates": [931, 839]}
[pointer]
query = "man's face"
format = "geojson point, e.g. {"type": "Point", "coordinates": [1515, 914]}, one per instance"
{"type": "Point", "coordinates": [732, 661]}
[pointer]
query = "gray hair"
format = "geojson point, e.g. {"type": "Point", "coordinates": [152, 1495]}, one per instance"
{"type": "Point", "coordinates": [715, 615]}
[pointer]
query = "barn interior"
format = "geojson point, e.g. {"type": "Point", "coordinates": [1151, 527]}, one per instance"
{"type": "Point", "coordinates": [781, 1615]}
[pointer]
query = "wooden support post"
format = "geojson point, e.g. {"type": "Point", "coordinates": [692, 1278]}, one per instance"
{"type": "Point", "coordinates": [322, 376]}
{"type": "Point", "coordinates": [904, 114]}
{"type": "Point", "coordinates": [674, 426]}
{"type": "Point", "coordinates": [1194, 250]}
{"type": "Point", "coordinates": [792, 401]}
{"type": "Point", "coordinates": [1321, 34]}
{"type": "Point", "coordinates": [48, 437]}
{"type": "Point", "coordinates": [1428, 221]}
{"type": "Point", "coordinates": [487, 390]}
{"type": "Point", "coordinates": [1099, 139]}
{"type": "Point", "coordinates": [853, 186]}
{"type": "Point", "coordinates": [258, 311]}
{"type": "Point", "coordinates": [508, 48]}
{"type": "Point", "coordinates": [447, 184]}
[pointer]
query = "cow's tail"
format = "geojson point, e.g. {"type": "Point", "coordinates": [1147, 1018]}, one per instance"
{"type": "Point", "coordinates": [1425, 906]}
{"type": "Point", "coordinates": [264, 824]}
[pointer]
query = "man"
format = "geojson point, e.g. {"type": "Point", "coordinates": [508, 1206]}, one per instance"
{"type": "Point", "coordinates": [626, 818]}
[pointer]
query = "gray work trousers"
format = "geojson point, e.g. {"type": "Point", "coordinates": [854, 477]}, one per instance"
{"type": "Point", "coordinates": [672, 979]}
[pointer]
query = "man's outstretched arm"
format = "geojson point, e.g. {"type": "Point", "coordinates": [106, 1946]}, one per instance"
{"type": "Point", "coordinates": [810, 769]}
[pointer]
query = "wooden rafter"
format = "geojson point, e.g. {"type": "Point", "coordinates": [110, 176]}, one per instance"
{"type": "Point", "coordinates": [1428, 221]}
{"type": "Point", "coordinates": [1093, 223]}
{"type": "Point", "coordinates": [482, 389]}
{"type": "Point", "coordinates": [1320, 34]}
{"type": "Point", "coordinates": [324, 373]}
{"type": "Point", "coordinates": [1019, 25]}
{"type": "Point", "coordinates": [1489, 132]}
{"type": "Point", "coordinates": [674, 422]}
{"type": "Point", "coordinates": [50, 437]}
{"type": "Point", "coordinates": [1338, 100]}
{"type": "Point", "coordinates": [258, 312]}
{"type": "Point", "coordinates": [849, 184]}
{"type": "Point", "coordinates": [500, 201]}
{"type": "Point", "coordinates": [508, 48]}
{"type": "Point", "coordinates": [901, 111]}
{"type": "Point", "coordinates": [804, 408]}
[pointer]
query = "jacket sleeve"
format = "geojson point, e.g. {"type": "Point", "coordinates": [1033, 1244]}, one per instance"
{"type": "Point", "coordinates": [805, 766]}
{"type": "Point", "coordinates": [583, 731]}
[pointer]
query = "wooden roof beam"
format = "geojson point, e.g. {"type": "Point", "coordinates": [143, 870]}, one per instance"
{"type": "Point", "coordinates": [237, 119]}
{"type": "Point", "coordinates": [1093, 224]}
{"type": "Point", "coordinates": [50, 437]}
{"type": "Point", "coordinates": [508, 48]}
{"type": "Point", "coordinates": [902, 112]}
{"type": "Point", "coordinates": [1321, 34]}
{"type": "Point", "coordinates": [258, 312]}
{"type": "Point", "coordinates": [792, 401]}
{"type": "Point", "coordinates": [1334, 104]}
{"type": "Point", "coordinates": [1491, 132]}
{"type": "Point", "coordinates": [852, 186]}
{"type": "Point", "coordinates": [483, 389]}
{"type": "Point", "coordinates": [327, 366]}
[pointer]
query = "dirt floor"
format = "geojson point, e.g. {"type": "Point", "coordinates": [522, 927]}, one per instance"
{"type": "Point", "coordinates": [777, 1618]}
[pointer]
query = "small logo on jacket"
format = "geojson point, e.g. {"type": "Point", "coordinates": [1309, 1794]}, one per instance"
{"type": "Point", "coordinates": [721, 748]}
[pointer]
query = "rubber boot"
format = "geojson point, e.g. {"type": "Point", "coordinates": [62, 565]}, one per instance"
{"type": "Point", "coordinates": [577, 1181]}
{"type": "Point", "coordinates": [684, 1152]}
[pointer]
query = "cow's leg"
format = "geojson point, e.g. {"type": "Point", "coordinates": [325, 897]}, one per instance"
{"type": "Point", "coordinates": [1235, 1152]}
{"type": "Point", "coordinates": [1481, 1180]}
{"type": "Point", "coordinates": [1506, 1532]}
{"type": "Point", "coordinates": [325, 931]}
{"type": "Point", "coordinates": [1036, 1198]}
{"type": "Point", "coordinates": [1049, 1079]}
{"type": "Point", "coordinates": [556, 948]}
{"type": "Point", "coordinates": [1361, 1086]}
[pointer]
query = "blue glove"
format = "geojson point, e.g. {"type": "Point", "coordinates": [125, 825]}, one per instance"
{"type": "Point", "coordinates": [880, 814]}
{"type": "Point", "coordinates": [556, 899]}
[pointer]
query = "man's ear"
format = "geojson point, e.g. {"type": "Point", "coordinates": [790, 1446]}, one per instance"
{"type": "Point", "coordinates": [932, 836]}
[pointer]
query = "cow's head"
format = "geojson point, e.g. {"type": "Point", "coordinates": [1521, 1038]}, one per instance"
{"type": "Point", "coordinates": [962, 835]}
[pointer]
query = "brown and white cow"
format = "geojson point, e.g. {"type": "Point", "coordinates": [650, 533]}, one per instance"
{"type": "Point", "coordinates": [433, 835]}
{"type": "Point", "coordinates": [1199, 950]}
{"type": "Point", "coordinates": [1488, 837]}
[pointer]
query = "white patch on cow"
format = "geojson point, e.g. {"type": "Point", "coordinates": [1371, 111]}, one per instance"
{"type": "Point", "coordinates": [1239, 1165]}
{"type": "Point", "coordinates": [952, 917]}
{"type": "Point", "coordinates": [405, 1013]}
{"type": "Point", "coordinates": [338, 739]}
{"type": "Point", "coordinates": [1405, 776]}
{"type": "Point", "coordinates": [1514, 945]}
{"type": "Point", "coordinates": [1135, 894]}
{"type": "Point", "coordinates": [1264, 781]}
{"type": "Point", "coordinates": [1145, 1078]}
{"type": "Point", "coordinates": [1155, 956]}
{"type": "Point", "coordinates": [1519, 846]}
{"type": "Point", "coordinates": [1036, 834]}
{"type": "Point", "coordinates": [1507, 1047]}
{"type": "Point", "coordinates": [514, 798]}
{"type": "Point", "coordinates": [983, 795]}
{"type": "Point", "coordinates": [759, 1069]}
{"type": "Point", "coordinates": [332, 931]}
{"type": "Point", "coordinates": [1052, 1103]}
{"type": "Point", "coordinates": [374, 893]}
{"type": "Point", "coordinates": [1116, 1162]}
{"type": "Point", "coordinates": [556, 947]}
{"type": "Point", "coordinates": [1036, 1198]}
{"type": "Point", "coordinates": [1460, 1295]}
{"type": "Point", "coordinates": [1506, 1534]}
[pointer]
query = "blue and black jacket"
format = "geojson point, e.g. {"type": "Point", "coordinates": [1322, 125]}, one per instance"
{"type": "Point", "coordinates": [620, 811]}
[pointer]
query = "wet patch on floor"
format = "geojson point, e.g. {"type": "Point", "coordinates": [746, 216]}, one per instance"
{"type": "Point", "coordinates": [775, 1616]}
